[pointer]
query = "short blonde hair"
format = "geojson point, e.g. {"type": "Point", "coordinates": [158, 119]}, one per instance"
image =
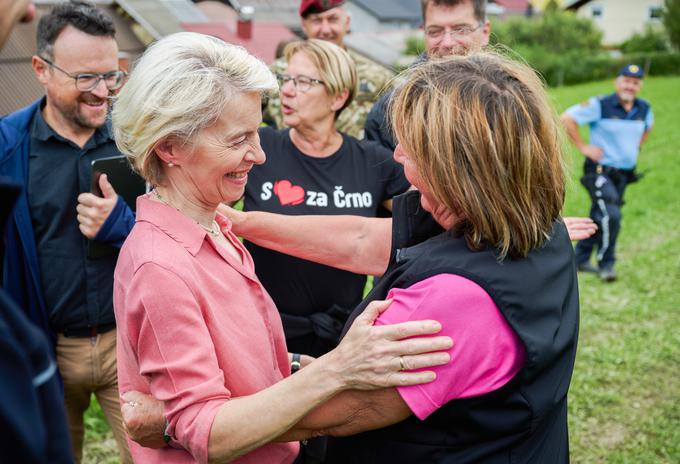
{"type": "Point", "coordinates": [336, 68]}
{"type": "Point", "coordinates": [486, 142]}
{"type": "Point", "coordinates": [178, 87]}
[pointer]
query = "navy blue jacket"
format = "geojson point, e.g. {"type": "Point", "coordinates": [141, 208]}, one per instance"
{"type": "Point", "coordinates": [20, 272]}
{"type": "Point", "coordinates": [32, 408]}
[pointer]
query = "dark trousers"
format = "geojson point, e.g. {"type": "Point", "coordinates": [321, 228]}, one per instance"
{"type": "Point", "coordinates": [606, 187]}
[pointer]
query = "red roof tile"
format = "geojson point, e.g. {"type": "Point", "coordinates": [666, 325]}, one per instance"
{"type": "Point", "coordinates": [513, 5]}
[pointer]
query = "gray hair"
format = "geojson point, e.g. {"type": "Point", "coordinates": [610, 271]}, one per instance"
{"type": "Point", "coordinates": [179, 86]}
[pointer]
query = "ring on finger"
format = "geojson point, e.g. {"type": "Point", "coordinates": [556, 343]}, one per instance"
{"type": "Point", "coordinates": [402, 366]}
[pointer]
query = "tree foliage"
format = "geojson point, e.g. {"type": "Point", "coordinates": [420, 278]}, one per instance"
{"type": "Point", "coordinates": [414, 45]}
{"type": "Point", "coordinates": [555, 44]}
{"type": "Point", "coordinates": [671, 20]}
{"type": "Point", "coordinates": [556, 31]}
{"type": "Point", "coordinates": [552, 6]}
{"type": "Point", "coordinates": [651, 40]}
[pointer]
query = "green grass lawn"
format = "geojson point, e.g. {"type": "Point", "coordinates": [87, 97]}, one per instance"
{"type": "Point", "coordinates": [625, 394]}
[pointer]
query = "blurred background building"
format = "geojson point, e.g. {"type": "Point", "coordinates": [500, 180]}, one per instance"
{"type": "Point", "coordinates": [618, 19]}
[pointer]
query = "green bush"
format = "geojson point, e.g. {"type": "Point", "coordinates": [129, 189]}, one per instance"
{"type": "Point", "coordinates": [657, 63]}
{"type": "Point", "coordinates": [567, 71]}
{"type": "Point", "coordinates": [557, 32]}
{"type": "Point", "coordinates": [570, 69]}
{"type": "Point", "coordinates": [555, 44]}
{"type": "Point", "coordinates": [560, 70]}
{"type": "Point", "coordinates": [651, 40]}
{"type": "Point", "coordinates": [566, 49]}
{"type": "Point", "coordinates": [414, 45]}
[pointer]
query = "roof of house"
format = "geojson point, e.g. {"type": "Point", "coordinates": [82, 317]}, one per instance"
{"type": "Point", "coordinates": [265, 37]}
{"type": "Point", "coordinates": [392, 10]}
{"type": "Point", "coordinates": [162, 17]}
{"type": "Point", "coordinates": [513, 6]}
{"type": "Point", "coordinates": [282, 11]}
{"type": "Point", "coordinates": [574, 4]}
{"type": "Point", "coordinates": [19, 84]}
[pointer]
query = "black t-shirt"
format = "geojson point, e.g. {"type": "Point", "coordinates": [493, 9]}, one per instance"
{"type": "Point", "coordinates": [78, 289]}
{"type": "Point", "coordinates": [354, 180]}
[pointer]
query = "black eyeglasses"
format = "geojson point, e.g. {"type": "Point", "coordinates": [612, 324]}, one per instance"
{"type": "Point", "coordinates": [301, 83]}
{"type": "Point", "coordinates": [86, 82]}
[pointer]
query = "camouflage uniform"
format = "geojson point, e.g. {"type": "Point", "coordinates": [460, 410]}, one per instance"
{"type": "Point", "coordinates": [373, 78]}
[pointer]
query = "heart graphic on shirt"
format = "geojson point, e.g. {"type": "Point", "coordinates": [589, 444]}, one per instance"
{"type": "Point", "coordinates": [288, 193]}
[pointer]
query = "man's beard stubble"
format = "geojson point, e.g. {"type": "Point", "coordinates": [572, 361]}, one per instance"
{"type": "Point", "coordinates": [71, 110]}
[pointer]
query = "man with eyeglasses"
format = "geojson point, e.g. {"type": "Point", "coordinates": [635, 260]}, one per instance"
{"type": "Point", "coordinates": [452, 27]}
{"type": "Point", "coordinates": [328, 20]}
{"type": "Point", "coordinates": [49, 147]}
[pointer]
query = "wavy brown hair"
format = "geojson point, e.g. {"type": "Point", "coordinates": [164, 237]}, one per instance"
{"type": "Point", "coordinates": [486, 142]}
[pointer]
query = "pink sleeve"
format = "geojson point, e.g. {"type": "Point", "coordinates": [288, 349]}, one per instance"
{"type": "Point", "coordinates": [486, 353]}
{"type": "Point", "coordinates": [168, 334]}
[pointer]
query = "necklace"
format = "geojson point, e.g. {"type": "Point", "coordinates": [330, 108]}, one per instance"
{"type": "Point", "coordinates": [213, 230]}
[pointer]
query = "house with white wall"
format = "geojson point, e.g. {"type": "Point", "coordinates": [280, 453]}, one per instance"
{"type": "Point", "coordinates": [383, 15]}
{"type": "Point", "coordinates": [618, 19]}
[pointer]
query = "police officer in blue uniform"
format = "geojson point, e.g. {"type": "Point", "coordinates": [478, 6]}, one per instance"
{"type": "Point", "coordinates": [619, 125]}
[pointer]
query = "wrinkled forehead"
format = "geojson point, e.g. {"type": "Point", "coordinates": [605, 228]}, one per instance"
{"type": "Point", "coordinates": [80, 51]}
{"type": "Point", "coordinates": [302, 63]}
{"type": "Point", "coordinates": [446, 15]}
{"type": "Point", "coordinates": [240, 114]}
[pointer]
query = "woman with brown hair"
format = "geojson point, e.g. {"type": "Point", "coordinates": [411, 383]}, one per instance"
{"type": "Point", "coordinates": [479, 247]}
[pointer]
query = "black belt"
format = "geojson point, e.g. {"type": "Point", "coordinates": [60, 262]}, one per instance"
{"type": "Point", "coordinates": [593, 167]}
{"type": "Point", "coordinates": [89, 331]}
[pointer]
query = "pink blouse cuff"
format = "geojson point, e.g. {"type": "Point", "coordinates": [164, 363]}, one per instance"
{"type": "Point", "coordinates": [191, 428]}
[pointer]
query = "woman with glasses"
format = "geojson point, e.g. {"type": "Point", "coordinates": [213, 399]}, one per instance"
{"type": "Point", "coordinates": [196, 328]}
{"type": "Point", "coordinates": [313, 169]}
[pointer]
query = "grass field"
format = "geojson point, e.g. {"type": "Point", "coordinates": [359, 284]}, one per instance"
{"type": "Point", "coordinates": [625, 394]}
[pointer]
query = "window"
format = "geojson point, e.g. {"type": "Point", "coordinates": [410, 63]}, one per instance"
{"type": "Point", "coordinates": [596, 11]}
{"type": "Point", "coordinates": [655, 13]}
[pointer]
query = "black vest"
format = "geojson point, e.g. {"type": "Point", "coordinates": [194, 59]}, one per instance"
{"type": "Point", "coordinates": [524, 421]}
